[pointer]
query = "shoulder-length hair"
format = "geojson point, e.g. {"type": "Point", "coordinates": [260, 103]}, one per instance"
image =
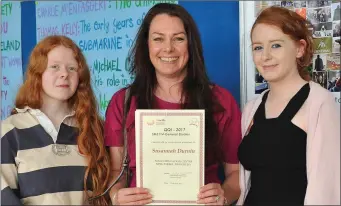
{"type": "Point", "coordinates": [196, 93]}
{"type": "Point", "coordinates": [90, 140]}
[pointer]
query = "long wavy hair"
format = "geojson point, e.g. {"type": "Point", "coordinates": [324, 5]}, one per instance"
{"type": "Point", "coordinates": [91, 136]}
{"type": "Point", "coordinates": [196, 91]}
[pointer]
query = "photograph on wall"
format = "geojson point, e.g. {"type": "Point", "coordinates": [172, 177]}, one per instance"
{"type": "Point", "coordinates": [287, 4]}
{"type": "Point", "coordinates": [314, 4]}
{"type": "Point", "coordinates": [336, 45]}
{"type": "Point", "coordinates": [336, 29]}
{"type": "Point", "coordinates": [334, 81]}
{"type": "Point", "coordinates": [322, 29]}
{"type": "Point", "coordinates": [333, 61]}
{"type": "Point", "coordinates": [319, 15]}
{"type": "Point", "coordinates": [336, 11]}
{"type": "Point", "coordinates": [259, 5]}
{"type": "Point", "coordinates": [300, 4]}
{"type": "Point", "coordinates": [323, 45]}
{"type": "Point", "coordinates": [320, 78]}
{"type": "Point", "coordinates": [319, 62]}
{"type": "Point", "coordinates": [261, 84]}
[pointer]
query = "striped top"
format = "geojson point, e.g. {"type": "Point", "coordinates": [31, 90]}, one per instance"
{"type": "Point", "coordinates": [41, 164]}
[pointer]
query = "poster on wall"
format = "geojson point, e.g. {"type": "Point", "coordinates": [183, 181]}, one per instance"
{"type": "Point", "coordinates": [104, 31]}
{"type": "Point", "coordinates": [11, 62]}
{"type": "Point", "coordinates": [324, 69]}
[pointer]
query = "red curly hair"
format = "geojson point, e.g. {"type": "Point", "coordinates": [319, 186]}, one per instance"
{"type": "Point", "coordinates": [91, 136]}
{"type": "Point", "coordinates": [293, 25]}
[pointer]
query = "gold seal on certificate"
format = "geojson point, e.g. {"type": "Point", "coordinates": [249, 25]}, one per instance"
{"type": "Point", "coordinates": [170, 153]}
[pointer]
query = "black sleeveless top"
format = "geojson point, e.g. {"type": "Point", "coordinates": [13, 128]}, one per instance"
{"type": "Point", "coordinates": [275, 152]}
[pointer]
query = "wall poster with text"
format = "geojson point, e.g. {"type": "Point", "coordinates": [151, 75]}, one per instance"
{"type": "Point", "coordinates": [104, 30]}
{"type": "Point", "coordinates": [11, 60]}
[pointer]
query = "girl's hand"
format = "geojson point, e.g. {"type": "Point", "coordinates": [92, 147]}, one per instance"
{"type": "Point", "coordinates": [132, 196]}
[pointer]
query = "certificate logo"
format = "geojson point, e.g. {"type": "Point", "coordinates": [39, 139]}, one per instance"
{"type": "Point", "coordinates": [194, 122]}
{"type": "Point", "coordinates": [150, 122]}
{"type": "Point", "coordinates": [160, 121]}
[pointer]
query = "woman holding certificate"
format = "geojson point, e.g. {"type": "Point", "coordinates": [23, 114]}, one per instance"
{"type": "Point", "coordinates": [167, 60]}
{"type": "Point", "coordinates": [290, 153]}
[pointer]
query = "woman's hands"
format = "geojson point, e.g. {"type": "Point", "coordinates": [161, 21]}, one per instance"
{"type": "Point", "coordinates": [131, 196]}
{"type": "Point", "coordinates": [211, 194]}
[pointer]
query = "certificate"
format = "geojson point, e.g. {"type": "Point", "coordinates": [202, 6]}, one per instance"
{"type": "Point", "coordinates": [170, 152]}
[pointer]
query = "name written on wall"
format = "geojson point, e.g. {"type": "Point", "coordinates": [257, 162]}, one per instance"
{"type": "Point", "coordinates": [10, 45]}
{"type": "Point", "coordinates": [3, 94]}
{"type": "Point", "coordinates": [71, 8]}
{"type": "Point", "coordinates": [127, 4]}
{"type": "Point", "coordinates": [5, 111]}
{"type": "Point", "coordinates": [77, 28]}
{"type": "Point", "coordinates": [4, 27]}
{"type": "Point", "coordinates": [105, 73]}
{"type": "Point", "coordinates": [10, 61]}
{"type": "Point", "coordinates": [6, 9]}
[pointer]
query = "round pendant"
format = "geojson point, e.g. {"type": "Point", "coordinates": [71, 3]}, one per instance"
{"type": "Point", "coordinates": [60, 149]}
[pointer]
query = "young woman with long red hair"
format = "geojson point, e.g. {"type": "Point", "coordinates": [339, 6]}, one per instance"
{"type": "Point", "coordinates": [52, 147]}
{"type": "Point", "coordinates": [290, 153]}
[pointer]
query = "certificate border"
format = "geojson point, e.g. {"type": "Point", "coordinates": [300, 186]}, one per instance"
{"type": "Point", "coordinates": [201, 183]}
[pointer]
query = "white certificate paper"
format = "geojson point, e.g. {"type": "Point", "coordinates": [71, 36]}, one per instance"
{"type": "Point", "coordinates": [170, 148]}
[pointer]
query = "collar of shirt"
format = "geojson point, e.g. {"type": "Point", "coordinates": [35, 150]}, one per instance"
{"type": "Point", "coordinates": [46, 123]}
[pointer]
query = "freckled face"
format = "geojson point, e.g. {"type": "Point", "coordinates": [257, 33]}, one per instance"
{"type": "Point", "coordinates": [60, 78]}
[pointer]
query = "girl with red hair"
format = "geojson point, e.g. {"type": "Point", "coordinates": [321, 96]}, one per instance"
{"type": "Point", "coordinates": [52, 145]}
{"type": "Point", "coordinates": [290, 152]}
